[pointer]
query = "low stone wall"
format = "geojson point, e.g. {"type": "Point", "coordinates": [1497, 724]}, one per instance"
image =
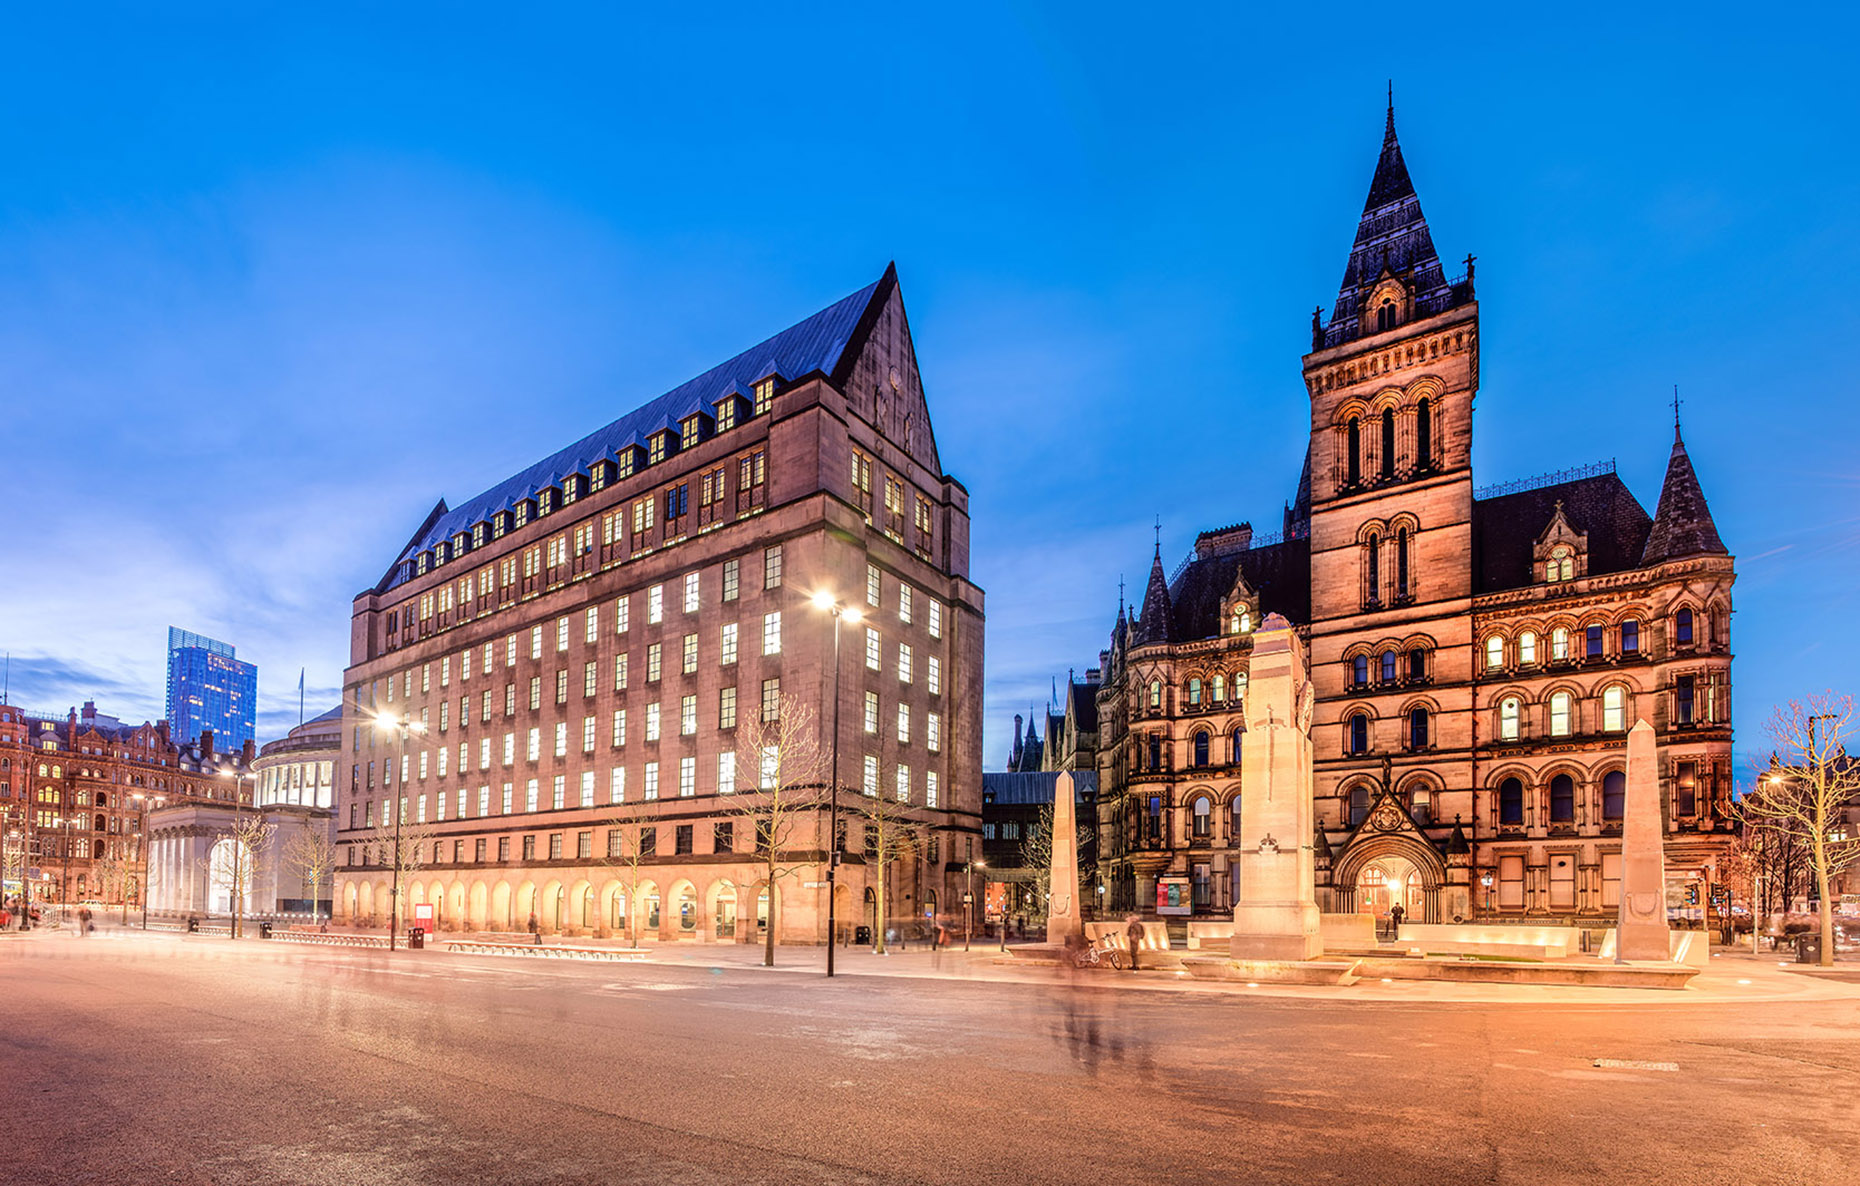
{"type": "Point", "coordinates": [1347, 932]}
{"type": "Point", "coordinates": [1526, 942]}
{"type": "Point", "coordinates": [1692, 948]}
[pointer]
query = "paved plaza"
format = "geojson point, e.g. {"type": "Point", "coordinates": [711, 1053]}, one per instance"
{"type": "Point", "coordinates": [160, 1058]}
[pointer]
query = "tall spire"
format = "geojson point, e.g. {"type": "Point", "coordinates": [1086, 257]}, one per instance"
{"type": "Point", "coordinates": [1154, 625]}
{"type": "Point", "coordinates": [1682, 524]}
{"type": "Point", "coordinates": [1391, 238]}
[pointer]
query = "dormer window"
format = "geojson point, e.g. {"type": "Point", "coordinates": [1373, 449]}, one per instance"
{"type": "Point", "coordinates": [545, 502]}
{"type": "Point", "coordinates": [1385, 315]}
{"type": "Point", "coordinates": [628, 462]}
{"type": "Point", "coordinates": [765, 395]}
{"type": "Point", "coordinates": [500, 523]}
{"type": "Point", "coordinates": [1561, 566]}
{"type": "Point", "coordinates": [477, 535]}
{"type": "Point", "coordinates": [597, 475]}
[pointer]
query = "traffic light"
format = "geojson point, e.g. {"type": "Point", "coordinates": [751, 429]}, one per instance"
{"type": "Point", "coordinates": [1692, 895]}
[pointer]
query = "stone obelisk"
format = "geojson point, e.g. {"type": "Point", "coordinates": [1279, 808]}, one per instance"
{"type": "Point", "coordinates": [1063, 920]}
{"type": "Point", "coordinates": [1640, 932]}
{"type": "Point", "coordinates": [1276, 914]}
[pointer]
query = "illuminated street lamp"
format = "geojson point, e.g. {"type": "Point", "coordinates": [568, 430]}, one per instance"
{"type": "Point", "coordinates": [827, 603]}
{"type": "Point", "coordinates": [402, 725]}
{"type": "Point", "coordinates": [64, 878]}
{"type": "Point", "coordinates": [968, 900]}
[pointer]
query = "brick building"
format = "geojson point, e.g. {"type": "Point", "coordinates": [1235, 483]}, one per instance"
{"type": "Point", "coordinates": [1477, 655]}
{"type": "Point", "coordinates": [580, 642]}
{"type": "Point", "coordinates": [78, 785]}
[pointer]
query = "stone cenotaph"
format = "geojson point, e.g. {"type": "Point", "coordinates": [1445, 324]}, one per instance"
{"type": "Point", "coordinates": [1064, 922]}
{"type": "Point", "coordinates": [1276, 914]}
{"type": "Point", "coordinates": [1640, 930]}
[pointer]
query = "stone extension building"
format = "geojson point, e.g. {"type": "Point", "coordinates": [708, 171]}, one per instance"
{"type": "Point", "coordinates": [79, 786]}
{"type": "Point", "coordinates": [581, 641]}
{"type": "Point", "coordinates": [1477, 656]}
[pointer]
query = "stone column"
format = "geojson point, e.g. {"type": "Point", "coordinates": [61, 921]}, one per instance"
{"type": "Point", "coordinates": [1277, 916]}
{"type": "Point", "coordinates": [1063, 920]}
{"type": "Point", "coordinates": [1640, 932]}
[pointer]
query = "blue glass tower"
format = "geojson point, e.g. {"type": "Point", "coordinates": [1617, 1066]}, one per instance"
{"type": "Point", "coordinates": [210, 689]}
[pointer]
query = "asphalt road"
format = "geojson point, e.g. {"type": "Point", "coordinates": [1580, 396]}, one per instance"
{"type": "Point", "coordinates": [164, 1060]}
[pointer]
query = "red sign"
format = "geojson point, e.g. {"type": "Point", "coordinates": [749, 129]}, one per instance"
{"type": "Point", "coordinates": [423, 916]}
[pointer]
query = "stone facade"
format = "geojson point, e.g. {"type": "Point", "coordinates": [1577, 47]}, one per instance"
{"type": "Point", "coordinates": [1478, 656]}
{"type": "Point", "coordinates": [80, 784]}
{"type": "Point", "coordinates": [580, 643]}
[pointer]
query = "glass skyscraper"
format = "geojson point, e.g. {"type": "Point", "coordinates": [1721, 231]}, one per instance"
{"type": "Point", "coordinates": [210, 689]}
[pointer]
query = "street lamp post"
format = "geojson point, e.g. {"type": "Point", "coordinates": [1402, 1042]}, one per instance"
{"type": "Point", "coordinates": [968, 901]}
{"type": "Point", "coordinates": [142, 891]}
{"type": "Point", "coordinates": [64, 878]}
{"type": "Point", "coordinates": [839, 610]}
{"type": "Point", "coordinates": [402, 725]}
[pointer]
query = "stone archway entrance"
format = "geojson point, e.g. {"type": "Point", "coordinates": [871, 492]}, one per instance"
{"type": "Point", "coordinates": [1389, 882]}
{"type": "Point", "coordinates": [1376, 871]}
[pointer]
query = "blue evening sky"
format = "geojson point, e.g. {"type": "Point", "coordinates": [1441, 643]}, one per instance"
{"type": "Point", "coordinates": [272, 284]}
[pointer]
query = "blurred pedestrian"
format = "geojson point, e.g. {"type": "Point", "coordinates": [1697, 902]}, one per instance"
{"type": "Point", "coordinates": [1133, 938]}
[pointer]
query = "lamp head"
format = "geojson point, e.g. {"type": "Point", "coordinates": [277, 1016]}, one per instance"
{"type": "Point", "coordinates": [822, 600]}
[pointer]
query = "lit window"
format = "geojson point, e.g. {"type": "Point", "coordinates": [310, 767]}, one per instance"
{"type": "Point", "coordinates": [904, 604]}
{"type": "Point", "coordinates": [933, 618]}
{"type": "Point", "coordinates": [651, 789]}
{"type": "Point", "coordinates": [904, 784]}
{"type": "Point", "coordinates": [690, 653]}
{"type": "Point", "coordinates": [726, 708]}
{"type": "Point", "coordinates": [1494, 653]}
{"type": "Point", "coordinates": [871, 584]}
{"type": "Point", "coordinates": [621, 616]}
{"type": "Point", "coordinates": [1194, 692]}
{"type": "Point", "coordinates": [1559, 714]}
{"type": "Point", "coordinates": [652, 722]}
{"type": "Point", "coordinates": [655, 604]}
{"type": "Point", "coordinates": [587, 735]}
{"type": "Point", "coordinates": [1614, 709]}
{"type": "Point", "coordinates": [873, 656]}
{"type": "Point", "coordinates": [1155, 693]}
{"type": "Point", "coordinates": [1509, 710]}
{"type": "Point", "coordinates": [691, 594]}
{"type": "Point", "coordinates": [904, 663]}
{"type": "Point", "coordinates": [726, 773]}
{"type": "Point", "coordinates": [930, 795]}
{"type": "Point", "coordinates": [1527, 647]}
{"type": "Point", "coordinates": [771, 699]}
{"type": "Point", "coordinates": [616, 785]}
{"type": "Point", "coordinates": [933, 675]}
{"type": "Point", "coordinates": [933, 733]}
{"type": "Point", "coordinates": [870, 785]}
{"type": "Point", "coordinates": [619, 726]}
{"type": "Point", "coordinates": [871, 712]}
{"type": "Point", "coordinates": [771, 567]}
{"type": "Point", "coordinates": [732, 579]}
{"type": "Point", "coordinates": [1559, 643]}
{"type": "Point", "coordinates": [728, 645]}
{"type": "Point", "coordinates": [771, 633]}
{"type": "Point", "coordinates": [654, 661]}
{"type": "Point", "coordinates": [561, 739]}
{"type": "Point", "coordinates": [620, 666]}
{"type": "Point", "coordinates": [687, 777]}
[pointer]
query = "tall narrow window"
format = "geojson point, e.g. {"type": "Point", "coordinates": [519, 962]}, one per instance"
{"type": "Point", "coordinates": [1417, 728]}
{"type": "Point", "coordinates": [1630, 637]}
{"type": "Point", "coordinates": [1359, 804]}
{"type": "Point", "coordinates": [1401, 563]}
{"type": "Point", "coordinates": [1353, 459]}
{"type": "Point", "coordinates": [1562, 799]}
{"type": "Point", "coordinates": [1201, 749]}
{"type": "Point", "coordinates": [1559, 714]}
{"type": "Point", "coordinates": [1388, 443]}
{"type": "Point", "coordinates": [1424, 435]}
{"type": "Point", "coordinates": [1388, 667]}
{"type": "Point", "coordinates": [1359, 734]}
{"type": "Point", "coordinates": [1508, 713]}
{"type": "Point", "coordinates": [1683, 700]}
{"type": "Point", "coordinates": [1614, 709]}
{"type": "Point", "coordinates": [1682, 627]}
{"type": "Point", "coordinates": [1494, 653]}
{"type": "Point", "coordinates": [1614, 795]}
{"type": "Point", "coordinates": [1359, 670]}
{"type": "Point", "coordinates": [1233, 749]}
{"type": "Point", "coordinates": [1374, 562]}
{"type": "Point", "coordinates": [1511, 802]}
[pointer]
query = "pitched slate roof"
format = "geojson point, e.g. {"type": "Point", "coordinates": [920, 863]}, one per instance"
{"type": "Point", "coordinates": [1391, 236]}
{"type": "Point", "coordinates": [1084, 701]}
{"type": "Point", "coordinates": [1682, 524]}
{"type": "Point", "coordinates": [1506, 528]}
{"type": "Point", "coordinates": [1035, 786]}
{"type": "Point", "coordinates": [1153, 624]}
{"type": "Point", "coordinates": [1279, 573]}
{"type": "Point", "coordinates": [813, 345]}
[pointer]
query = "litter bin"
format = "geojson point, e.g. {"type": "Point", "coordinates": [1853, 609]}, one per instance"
{"type": "Point", "coordinates": [416, 938]}
{"type": "Point", "coordinates": [862, 935]}
{"type": "Point", "coordinates": [193, 926]}
{"type": "Point", "coordinates": [1808, 949]}
{"type": "Point", "coordinates": [264, 930]}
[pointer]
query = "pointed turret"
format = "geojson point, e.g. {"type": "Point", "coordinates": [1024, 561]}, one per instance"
{"type": "Point", "coordinates": [1392, 242]}
{"type": "Point", "coordinates": [1682, 524]}
{"type": "Point", "coordinates": [1153, 624]}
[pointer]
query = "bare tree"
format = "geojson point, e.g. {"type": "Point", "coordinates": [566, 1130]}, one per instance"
{"type": "Point", "coordinates": [114, 873]}
{"type": "Point", "coordinates": [629, 852]}
{"type": "Point", "coordinates": [234, 868]}
{"type": "Point", "coordinates": [1803, 796]}
{"type": "Point", "coordinates": [403, 854]}
{"type": "Point", "coordinates": [780, 771]}
{"type": "Point", "coordinates": [311, 854]}
{"type": "Point", "coordinates": [1036, 853]}
{"type": "Point", "coordinates": [890, 835]}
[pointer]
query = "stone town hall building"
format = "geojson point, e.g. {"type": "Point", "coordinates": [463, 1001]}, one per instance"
{"type": "Point", "coordinates": [1477, 655]}
{"type": "Point", "coordinates": [584, 643]}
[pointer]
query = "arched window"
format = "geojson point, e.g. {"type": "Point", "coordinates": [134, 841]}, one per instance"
{"type": "Point", "coordinates": [1202, 820]}
{"type": "Point", "coordinates": [1527, 647]}
{"type": "Point", "coordinates": [1155, 693]}
{"type": "Point", "coordinates": [1201, 748]}
{"type": "Point", "coordinates": [1240, 685]}
{"type": "Point", "coordinates": [1194, 692]}
{"type": "Point", "coordinates": [1246, 620]}
{"type": "Point", "coordinates": [1353, 464]}
{"type": "Point", "coordinates": [1494, 653]}
{"type": "Point", "coordinates": [1401, 563]}
{"type": "Point", "coordinates": [1559, 643]}
{"type": "Point", "coordinates": [1359, 733]}
{"type": "Point", "coordinates": [1220, 688]}
{"type": "Point", "coordinates": [1385, 315]}
{"type": "Point", "coordinates": [1388, 443]}
{"type": "Point", "coordinates": [1424, 434]}
{"type": "Point", "coordinates": [1511, 802]}
{"type": "Point", "coordinates": [1560, 566]}
{"type": "Point", "coordinates": [1559, 714]}
{"type": "Point", "coordinates": [1233, 824]}
{"type": "Point", "coordinates": [1388, 667]}
{"type": "Point", "coordinates": [1682, 627]}
{"type": "Point", "coordinates": [1234, 749]}
{"type": "Point", "coordinates": [1630, 637]}
{"type": "Point", "coordinates": [1423, 805]}
{"type": "Point", "coordinates": [1417, 665]}
{"type": "Point", "coordinates": [1359, 804]}
{"type": "Point", "coordinates": [1417, 728]}
{"type": "Point", "coordinates": [1359, 670]}
{"type": "Point", "coordinates": [1374, 566]}
{"type": "Point", "coordinates": [1614, 709]}
{"type": "Point", "coordinates": [1614, 795]}
{"type": "Point", "coordinates": [1562, 799]}
{"type": "Point", "coordinates": [1509, 710]}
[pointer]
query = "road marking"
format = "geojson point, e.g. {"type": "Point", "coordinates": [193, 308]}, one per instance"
{"type": "Point", "coordinates": [1635, 1064]}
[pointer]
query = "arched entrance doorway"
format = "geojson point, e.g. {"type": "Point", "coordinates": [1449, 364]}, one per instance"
{"type": "Point", "coordinates": [1380, 871]}
{"type": "Point", "coordinates": [724, 914]}
{"type": "Point", "coordinates": [1389, 882]}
